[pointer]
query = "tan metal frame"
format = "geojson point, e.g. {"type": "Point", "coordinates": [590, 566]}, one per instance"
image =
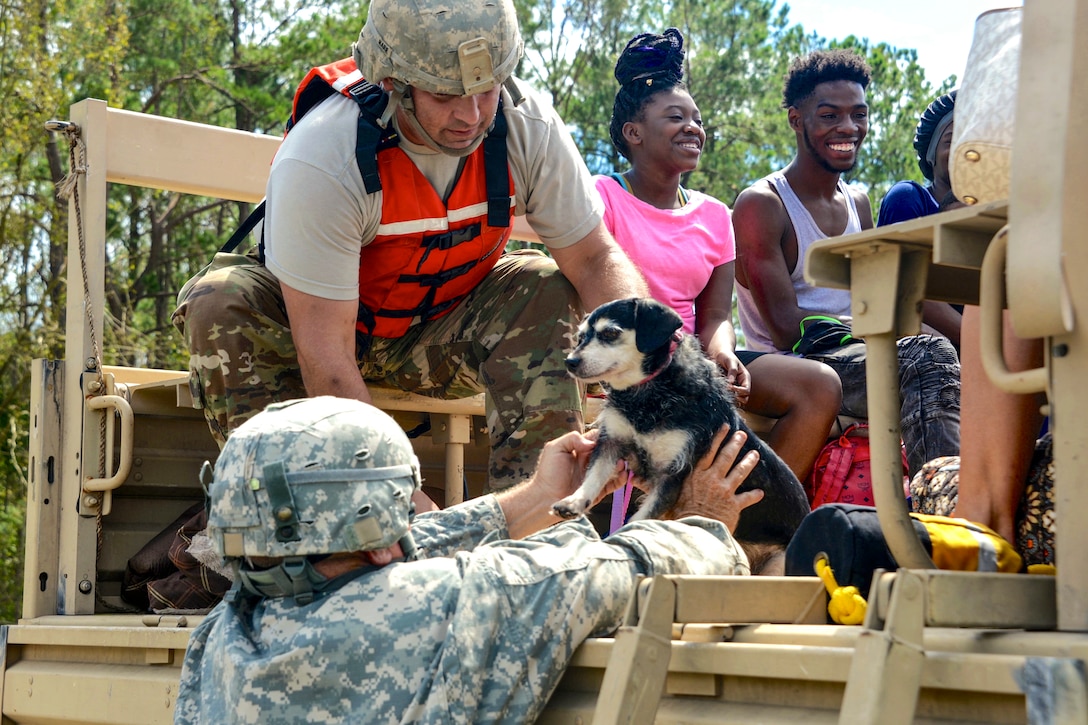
{"type": "Point", "coordinates": [890, 270]}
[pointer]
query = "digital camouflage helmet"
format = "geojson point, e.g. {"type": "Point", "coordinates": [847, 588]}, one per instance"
{"type": "Point", "coordinates": [457, 49]}
{"type": "Point", "coordinates": [313, 476]}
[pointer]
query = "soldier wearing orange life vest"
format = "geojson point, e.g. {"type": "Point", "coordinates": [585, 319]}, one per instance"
{"type": "Point", "coordinates": [387, 212]}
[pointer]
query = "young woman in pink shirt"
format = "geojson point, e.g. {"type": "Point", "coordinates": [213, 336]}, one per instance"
{"type": "Point", "coordinates": [682, 240]}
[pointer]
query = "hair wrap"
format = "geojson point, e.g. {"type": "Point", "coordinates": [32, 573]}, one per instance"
{"type": "Point", "coordinates": [650, 63]}
{"type": "Point", "coordinates": [648, 57]}
{"type": "Point", "coordinates": [931, 126]}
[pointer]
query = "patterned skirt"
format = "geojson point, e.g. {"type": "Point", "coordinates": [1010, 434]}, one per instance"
{"type": "Point", "coordinates": [934, 489]}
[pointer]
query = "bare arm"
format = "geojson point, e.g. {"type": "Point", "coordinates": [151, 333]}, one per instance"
{"type": "Point", "coordinates": [762, 228]}
{"type": "Point", "coordinates": [714, 328]}
{"type": "Point", "coordinates": [324, 335]}
{"type": "Point", "coordinates": [599, 269]}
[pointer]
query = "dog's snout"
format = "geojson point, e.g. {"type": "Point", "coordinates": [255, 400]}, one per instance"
{"type": "Point", "coordinates": [573, 362]}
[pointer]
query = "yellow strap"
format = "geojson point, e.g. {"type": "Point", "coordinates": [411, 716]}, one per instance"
{"type": "Point", "coordinates": [847, 606]}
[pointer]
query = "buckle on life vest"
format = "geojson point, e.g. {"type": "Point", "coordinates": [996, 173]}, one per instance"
{"type": "Point", "coordinates": [447, 240]}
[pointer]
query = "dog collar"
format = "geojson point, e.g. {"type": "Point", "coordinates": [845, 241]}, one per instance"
{"type": "Point", "coordinates": [674, 341]}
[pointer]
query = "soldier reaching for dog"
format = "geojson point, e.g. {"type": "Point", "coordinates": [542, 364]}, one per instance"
{"type": "Point", "coordinates": [346, 609]}
{"type": "Point", "coordinates": [388, 208]}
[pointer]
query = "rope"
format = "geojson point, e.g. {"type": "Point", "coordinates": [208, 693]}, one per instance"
{"type": "Point", "coordinates": [847, 606]}
{"type": "Point", "coordinates": [69, 188]}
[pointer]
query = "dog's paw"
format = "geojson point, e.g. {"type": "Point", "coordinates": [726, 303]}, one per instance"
{"type": "Point", "coordinates": [571, 507]}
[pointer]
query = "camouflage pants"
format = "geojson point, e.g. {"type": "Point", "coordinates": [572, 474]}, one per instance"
{"type": "Point", "coordinates": [508, 339]}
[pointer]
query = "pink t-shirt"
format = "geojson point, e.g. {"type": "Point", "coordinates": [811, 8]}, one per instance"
{"type": "Point", "coordinates": [676, 249]}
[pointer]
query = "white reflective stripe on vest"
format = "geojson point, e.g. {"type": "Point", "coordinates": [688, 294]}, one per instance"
{"type": "Point", "coordinates": [346, 80]}
{"type": "Point", "coordinates": [433, 224]}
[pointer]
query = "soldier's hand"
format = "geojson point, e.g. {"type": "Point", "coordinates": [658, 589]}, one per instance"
{"type": "Point", "coordinates": [562, 465]}
{"type": "Point", "coordinates": [711, 489]}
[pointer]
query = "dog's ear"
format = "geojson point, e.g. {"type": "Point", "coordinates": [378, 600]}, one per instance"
{"type": "Point", "coordinates": [655, 324]}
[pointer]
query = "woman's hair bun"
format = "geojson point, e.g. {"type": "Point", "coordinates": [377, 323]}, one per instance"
{"type": "Point", "coordinates": [650, 57]}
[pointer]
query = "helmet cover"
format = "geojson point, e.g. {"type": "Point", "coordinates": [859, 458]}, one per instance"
{"type": "Point", "coordinates": [313, 476]}
{"type": "Point", "coordinates": [439, 46]}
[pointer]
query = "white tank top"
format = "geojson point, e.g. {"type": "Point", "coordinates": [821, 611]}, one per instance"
{"type": "Point", "coordinates": [818, 300]}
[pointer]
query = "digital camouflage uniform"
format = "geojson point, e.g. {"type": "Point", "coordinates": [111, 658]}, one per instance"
{"type": "Point", "coordinates": [508, 339]}
{"type": "Point", "coordinates": [478, 630]}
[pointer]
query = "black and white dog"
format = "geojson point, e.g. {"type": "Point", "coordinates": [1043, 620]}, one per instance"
{"type": "Point", "coordinates": [666, 401]}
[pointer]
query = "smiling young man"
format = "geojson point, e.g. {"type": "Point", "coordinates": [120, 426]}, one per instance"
{"type": "Point", "coordinates": [389, 205]}
{"type": "Point", "coordinates": [780, 216]}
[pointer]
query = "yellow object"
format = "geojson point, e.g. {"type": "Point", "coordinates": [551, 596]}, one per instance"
{"type": "Point", "coordinates": [847, 606]}
{"type": "Point", "coordinates": [962, 545]}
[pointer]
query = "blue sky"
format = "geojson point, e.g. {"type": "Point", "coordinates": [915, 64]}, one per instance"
{"type": "Point", "coordinates": [940, 30]}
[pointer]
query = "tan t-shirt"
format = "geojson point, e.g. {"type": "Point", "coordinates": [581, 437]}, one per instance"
{"type": "Point", "coordinates": [319, 215]}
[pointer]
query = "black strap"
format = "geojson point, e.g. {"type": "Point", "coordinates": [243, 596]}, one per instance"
{"type": "Point", "coordinates": [282, 502]}
{"type": "Point", "coordinates": [369, 136]}
{"type": "Point", "coordinates": [446, 240]}
{"type": "Point", "coordinates": [243, 231]}
{"type": "Point", "coordinates": [497, 172]}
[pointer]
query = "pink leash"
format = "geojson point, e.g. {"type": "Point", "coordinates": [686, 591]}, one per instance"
{"type": "Point", "coordinates": [620, 503]}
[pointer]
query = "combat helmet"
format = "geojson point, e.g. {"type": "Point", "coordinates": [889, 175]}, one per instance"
{"type": "Point", "coordinates": [305, 477]}
{"type": "Point", "coordinates": [931, 127]}
{"type": "Point", "coordinates": [458, 49]}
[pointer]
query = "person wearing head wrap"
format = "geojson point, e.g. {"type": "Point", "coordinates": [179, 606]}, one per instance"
{"type": "Point", "coordinates": [910, 200]}
{"type": "Point", "coordinates": [932, 141]}
{"type": "Point", "coordinates": [682, 242]}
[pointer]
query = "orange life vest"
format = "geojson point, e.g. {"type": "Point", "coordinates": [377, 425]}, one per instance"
{"type": "Point", "coordinates": [428, 254]}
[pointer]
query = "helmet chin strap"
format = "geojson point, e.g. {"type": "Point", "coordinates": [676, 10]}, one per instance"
{"type": "Point", "coordinates": [400, 96]}
{"type": "Point", "coordinates": [296, 577]}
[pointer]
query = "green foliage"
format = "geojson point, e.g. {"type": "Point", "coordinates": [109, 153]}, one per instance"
{"type": "Point", "coordinates": [12, 516]}
{"type": "Point", "coordinates": [11, 559]}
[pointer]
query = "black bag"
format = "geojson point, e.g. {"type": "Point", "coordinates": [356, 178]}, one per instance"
{"type": "Point", "coordinates": [820, 333]}
{"type": "Point", "coordinates": [854, 543]}
{"type": "Point", "coordinates": [850, 536]}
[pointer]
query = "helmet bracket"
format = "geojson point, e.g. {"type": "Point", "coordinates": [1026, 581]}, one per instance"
{"type": "Point", "coordinates": [477, 69]}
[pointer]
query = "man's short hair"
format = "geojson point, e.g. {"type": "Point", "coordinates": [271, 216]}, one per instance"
{"type": "Point", "coordinates": [822, 66]}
